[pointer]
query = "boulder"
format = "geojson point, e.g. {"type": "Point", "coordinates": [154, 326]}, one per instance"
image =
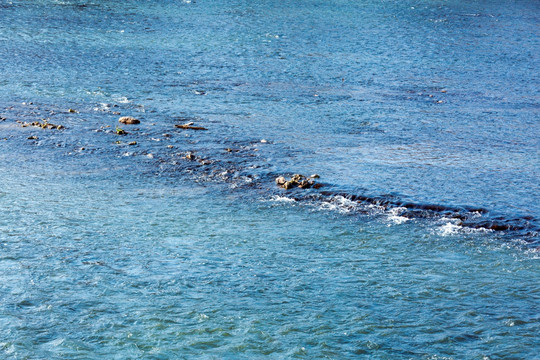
{"type": "Point", "coordinates": [280, 181]}
{"type": "Point", "coordinates": [128, 120]}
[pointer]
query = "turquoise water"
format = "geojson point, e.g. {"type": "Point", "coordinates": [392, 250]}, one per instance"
{"type": "Point", "coordinates": [420, 118]}
{"type": "Point", "coordinates": [137, 267]}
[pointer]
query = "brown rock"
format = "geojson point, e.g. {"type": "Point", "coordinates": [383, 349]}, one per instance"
{"type": "Point", "coordinates": [128, 120]}
{"type": "Point", "coordinates": [120, 131]}
{"type": "Point", "coordinates": [289, 185]}
{"type": "Point", "coordinates": [190, 126]}
{"type": "Point", "coordinates": [305, 184]}
{"type": "Point", "coordinates": [297, 178]}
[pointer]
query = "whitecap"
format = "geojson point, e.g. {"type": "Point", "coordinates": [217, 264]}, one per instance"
{"type": "Point", "coordinates": [284, 199]}
{"type": "Point", "coordinates": [394, 216]}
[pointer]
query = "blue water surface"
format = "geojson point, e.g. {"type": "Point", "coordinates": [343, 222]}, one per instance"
{"type": "Point", "coordinates": [181, 246]}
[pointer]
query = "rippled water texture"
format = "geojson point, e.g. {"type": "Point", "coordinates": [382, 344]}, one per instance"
{"type": "Point", "coordinates": [421, 119]}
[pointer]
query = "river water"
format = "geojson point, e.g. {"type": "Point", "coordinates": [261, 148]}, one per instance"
{"type": "Point", "coordinates": [421, 119]}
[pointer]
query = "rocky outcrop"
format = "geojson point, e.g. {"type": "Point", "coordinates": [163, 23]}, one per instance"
{"type": "Point", "coordinates": [299, 181]}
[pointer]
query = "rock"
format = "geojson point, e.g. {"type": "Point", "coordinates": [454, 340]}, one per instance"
{"type": "Point", "coordinates": [132, 143]}
{"type": "Point", "coordinates": [289, 185]}
{"type": "Point", "coordinates": [297, 178]}
{"type": "Point", "coordinates": [314, 176]}
{"type": "Point", "coordinates": [120, 131]}
{"type": "Point", "coordinates": [280, 181]}
{"type": "Point", "coordinates": [44, 125]}
{"type": "Point", "coordinates": [32, 137]}
{"type": "Point", "coordinates": [128, 120]}
{"type": "Point", "coordinates": [305, 184]}
{"type": "Point", "coordinates": [190, 156]}
{"type": "Point", "coordinates": [264, 141]}
{"type": "Point", "coordinates": [170, 146]}
{"type": "Point", "coordinates": [190, 126]}
{"type": "Point", "coordinates": [72, 111]}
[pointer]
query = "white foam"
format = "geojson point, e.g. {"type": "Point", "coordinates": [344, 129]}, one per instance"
{"type": "Point", "coordinates": [122, 100]}
{"type": "Point", "coordinates": [394, 215]}
{"type": "Point", "coordinates": [340, 204]}
{"type": "Point", "coordinates": [284, 199]}
{"type": "Point", "coordinates": [448, 229]}
{"type": "Point", "coordinates": [451, 228]}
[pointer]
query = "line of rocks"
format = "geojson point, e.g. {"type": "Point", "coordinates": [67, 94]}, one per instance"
{"type": "Point", "coordinates": [44, 125]}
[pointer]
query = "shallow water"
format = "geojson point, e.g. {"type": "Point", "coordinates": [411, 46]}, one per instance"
{"type": "Point", "coordinates": [133, 251]}
{"type": "Point", "coordinates": [132, 266]}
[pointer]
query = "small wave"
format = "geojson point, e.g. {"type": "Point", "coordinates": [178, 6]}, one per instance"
{"type": "Point", "coordinates": [337, 203]}
{"type": "Point", "coordinates": [282, 199]}
{"type": "Point", "coordinates": [534, 253]}
{"type": "Point", "coordinates": [394, 216]}
{"type": "Point", "coordinates": [122, 100]}
{"type": "Point", "coordinates": [451, 228]}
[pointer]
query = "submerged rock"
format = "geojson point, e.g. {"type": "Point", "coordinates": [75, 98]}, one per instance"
{"type": "Point", "coordinates": [44, 125]}
{"type": "Point", "coordinates": [190, 127]}
{"type": "Point", "coordinates": [128, 120]}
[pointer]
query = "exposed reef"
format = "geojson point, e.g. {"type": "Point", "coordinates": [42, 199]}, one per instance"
{"type": "Point", "coordinates": [208, 156]}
